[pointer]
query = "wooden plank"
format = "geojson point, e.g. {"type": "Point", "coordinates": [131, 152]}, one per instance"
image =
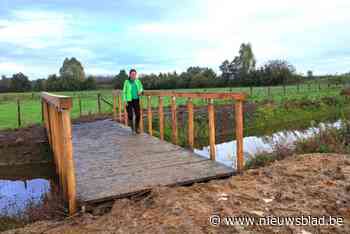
{"type": "Point", "coordinates": [131, 164]}
{"type": "Point", "coordinates": [59, 101]}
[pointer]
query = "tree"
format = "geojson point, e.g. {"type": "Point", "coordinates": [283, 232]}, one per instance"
{"type": "Point", "coordinates": [241, 66]}
{"type": "Point", "coordinates": [309, 74]}
{"type": "Point", "coordinates": [246, 59]}
{"type": "Point", "coordinates": [39, 85]}
{"type": "Point", "coordinates": [72, 69]}
{"type": "Point", "coordinates": [4, 84]}
{"type": "Point", "coordinates": [119, 79]}
{"type": "Point", "coordinates": [276, 72]}
{"type": "Point", "coordinates": [20, 83]}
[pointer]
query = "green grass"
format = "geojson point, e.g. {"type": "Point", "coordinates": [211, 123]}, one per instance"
{"type": "Point", "coordinates": [31, 106]}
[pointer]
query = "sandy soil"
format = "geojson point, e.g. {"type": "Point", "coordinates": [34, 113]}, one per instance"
{"type": "Point", "coordinates": [316, 185]}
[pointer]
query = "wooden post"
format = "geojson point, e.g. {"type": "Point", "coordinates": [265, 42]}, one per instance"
{"type": "Point", "coordinates": [161, 118]}
{"type": "Point", "coordinates": [239, 135]}
{"type": "Point", "coordinates": [284, 90]}
{"type": "Point", "coordinates": [80, 108]}
{"type": "Point", "coordinates": [190, 123]}
{"type": "Point", "coordinates": [114, 107]}
{"type": "Point", "coordinates": [120, 108]}
{"type": "Point", "coordinates": [173, 120]}
{"type": "Point", "coordinates": [149, 115]}
{"type": "Point", "coordinates": [141, 116]}
{"type": "Point", "coordinates": [99, 102]}
{"type": "Point", "coordinates": [68, 155]}
{"type": "Point", "coordinates": [125, 115]}
{"type": "Point", "coordinates": [211, 116]}
{"type": "Point", "coordinates": [251, 90]}
{"type": "Point", "coordinates": [42, 111]}
{"type": "Point", "coordinates": [319, 86]}
{"type": "Point", "coordinates": [269, 91]}
{"type": "Point", "coordinates": [298, 88]}
{"type": "Point", "coordinates": [19, 113]}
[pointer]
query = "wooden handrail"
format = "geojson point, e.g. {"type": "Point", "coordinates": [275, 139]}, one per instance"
{"type": "Point", "coordinates": [209, 97]}
{"type": "Point", "coordinates": [57, 122]}
{"type": "Point", "coordinates": [203, 95]}
{"type": "Point", "coordinates": [59, 101]}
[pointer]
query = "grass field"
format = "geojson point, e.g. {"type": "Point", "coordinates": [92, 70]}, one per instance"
{"type": "Point", "coordinates": [30, 105]}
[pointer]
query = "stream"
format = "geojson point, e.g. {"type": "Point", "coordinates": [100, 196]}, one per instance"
{"type": "Point", "coordinates": [253, 145]}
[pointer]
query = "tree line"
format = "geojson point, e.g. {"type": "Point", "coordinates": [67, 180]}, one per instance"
{"type": "Point", "coordinates": [240, 71]}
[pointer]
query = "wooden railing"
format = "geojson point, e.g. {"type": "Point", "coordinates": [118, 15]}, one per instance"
{"type": "Point", "coordinates": [119, 113]}
{"type": "Point", "coordinates": [56, 114]}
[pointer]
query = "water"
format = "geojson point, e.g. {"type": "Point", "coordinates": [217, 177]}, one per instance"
{"type": "Point", "coordinates": [23, 186]}
{"type": "Point", "coordinates": [252, 145]}
{"type": "Point", "coordinates": [17, 195]}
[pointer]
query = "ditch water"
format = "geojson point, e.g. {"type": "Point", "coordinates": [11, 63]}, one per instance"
{"type": "Point", "coordinates": [253, 145]}
{"type": "Point", "coordinates": [23, 186]}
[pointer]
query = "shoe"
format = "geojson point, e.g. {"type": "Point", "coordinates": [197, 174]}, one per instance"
{"type": "Point", "coordinates": [137, 131]}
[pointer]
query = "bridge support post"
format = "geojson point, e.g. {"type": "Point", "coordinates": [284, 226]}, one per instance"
{"type": "Point", "coordinates": [239, 135]}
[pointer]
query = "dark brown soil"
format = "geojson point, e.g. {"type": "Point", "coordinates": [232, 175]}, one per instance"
{"type": "Point", "coordinates": [314, 184]}
{"type": "Point", "coordinates": [24, 146]}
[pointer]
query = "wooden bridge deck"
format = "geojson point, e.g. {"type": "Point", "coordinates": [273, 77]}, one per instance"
{"type": "Point", "coordinates": [112, 163]}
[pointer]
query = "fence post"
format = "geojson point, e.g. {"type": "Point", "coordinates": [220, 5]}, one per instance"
{"type": "Point", "coordinates": [173, 120]}
{"type": "Point", "coordinates": [239, 135]}
{"type": "Point", "coordinates": [161, 118]}
{"type": "Point", "coordinates": [42, 111]}
{"type": "Point", "coordinates": [19, 113]}
{"type": "Point", "coordinates": [99, 102]}
{"type": "Point", "coordinates": [251, 90]}
{"type": "Point", "coordinates": [284, 90]}
{"type": "Point", "coordinates": [211, 117]}
{"type": "Point", "coordinates": [80, 107]}
{"type": "Point", "coordinates": [190, 123]}
{"type": "Point", "coordinates": [149, 115]}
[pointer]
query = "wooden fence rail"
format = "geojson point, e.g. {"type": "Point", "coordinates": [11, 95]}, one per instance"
{"type": "Point", "coordinates": [238, 109]}
{"type": "Point", "coordinates": [57, 121]}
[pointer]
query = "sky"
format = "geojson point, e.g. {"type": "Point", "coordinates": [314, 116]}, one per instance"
{"type": "Point", "coordinates": [166, 36]}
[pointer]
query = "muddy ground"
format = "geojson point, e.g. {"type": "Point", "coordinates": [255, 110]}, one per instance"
{"type": "Point", "coordinates": [314, 184]}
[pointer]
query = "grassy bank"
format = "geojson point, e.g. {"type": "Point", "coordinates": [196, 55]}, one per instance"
{"type": "Point", "coordinates": [30, 104]}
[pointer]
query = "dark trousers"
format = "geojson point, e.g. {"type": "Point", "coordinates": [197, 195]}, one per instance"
{"type": "Point", "coordinates": [134, 107]}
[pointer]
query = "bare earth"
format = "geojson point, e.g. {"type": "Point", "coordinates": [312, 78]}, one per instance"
{"type": "Point", "coordinates": [317, 184]}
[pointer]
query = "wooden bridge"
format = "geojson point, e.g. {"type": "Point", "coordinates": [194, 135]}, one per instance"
{"type": "Point", "coordinates": [103, 160]}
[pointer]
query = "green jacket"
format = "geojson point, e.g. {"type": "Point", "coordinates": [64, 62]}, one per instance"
{"type": "Point", "coordinates": [127, 95]}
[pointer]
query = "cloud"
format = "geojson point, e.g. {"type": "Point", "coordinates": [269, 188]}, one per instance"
{"type": "Point", "coordinates": [33, 29]}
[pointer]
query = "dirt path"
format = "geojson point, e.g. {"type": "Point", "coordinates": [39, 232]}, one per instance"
{"type": "Point", "coordinates": [305, 185]}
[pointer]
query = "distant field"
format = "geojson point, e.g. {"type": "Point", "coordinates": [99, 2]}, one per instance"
{"type": "Point", "coordinates": [31, 106]}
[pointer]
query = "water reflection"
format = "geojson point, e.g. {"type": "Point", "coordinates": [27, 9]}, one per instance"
{"type": "Point", "coordinates": [15, 196]}
{"type": "Point", "coordinates": [226, 152]}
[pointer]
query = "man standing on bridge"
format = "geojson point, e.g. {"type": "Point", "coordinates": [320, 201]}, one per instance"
{"type": "Point", "coordinates": [132, 90]}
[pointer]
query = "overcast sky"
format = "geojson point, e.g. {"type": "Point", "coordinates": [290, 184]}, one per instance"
{"type": "Point", "coordinates": [160, 36]}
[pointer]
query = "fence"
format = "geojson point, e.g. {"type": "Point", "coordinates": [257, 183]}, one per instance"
{"type": "Point", "coordinates": [119, 108]}
{"type": "Point", "coordinates": [56, 116]}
